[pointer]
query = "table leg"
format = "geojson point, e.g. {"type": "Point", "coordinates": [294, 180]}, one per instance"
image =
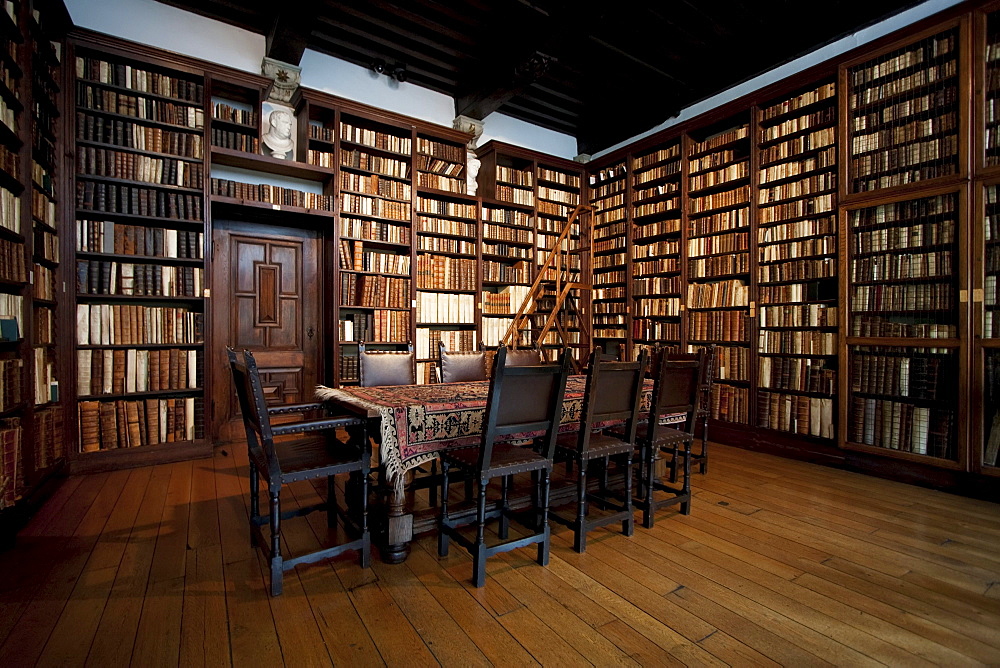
{"type": "Point", "coordinates": [399, 523]}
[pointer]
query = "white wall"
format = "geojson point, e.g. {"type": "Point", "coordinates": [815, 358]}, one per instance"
{"type": "Point", "coordinates": [820, 55]}
{"type": "Point", "coordinates": [176, 30]}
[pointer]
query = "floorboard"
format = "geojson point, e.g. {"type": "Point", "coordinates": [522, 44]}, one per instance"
{"type": "Point", "coordinates": [781, 562]}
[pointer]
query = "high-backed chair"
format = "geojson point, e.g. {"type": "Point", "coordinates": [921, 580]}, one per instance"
{"type": "Point", "coordinates": [318, 452]}
{"type": "Point", "coordinates": [525, 399]}
{"type": "Point", "coordinates": [707, 356]}
{"type": "Point", "coordinates": [614, 392]}
{"type": "Point", "coordinates": [460, 367]}
{"type": "Point", "coordinates": [675, 390]}
{"type": "Point", "coordinates": [386, 367]}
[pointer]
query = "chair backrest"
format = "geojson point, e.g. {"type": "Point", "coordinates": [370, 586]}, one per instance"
{"type": "Point", "coordinates": [707, 357]}
{"type": "Point", "coordinates": [614, 393]}
{"type": "Point", "coordinates": [675, 390]}
{"type": "Point", "coordinates": [523, 357]}
{"type": "Point", "coordinates": [386, 367]}
{"type": "Point", "coordinates": [458, 367]}
{"type": "Point", "coordinates": [253, 407]}
{"type": "Point", "coordinates": [524, 399]}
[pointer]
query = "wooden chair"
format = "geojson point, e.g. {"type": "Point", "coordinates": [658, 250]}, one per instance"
{"type": "Point", "coordinates": [318, 453]}
{"type": "Point", "coordinates": [521, 399]}
{"type": "Point", "coordinates": [460, 367]}
{"type": "Point", "coordinates": [707, 356]}
{"type": "Point", "coordinates": [614, 393]}
{"type": "Point", "coordinates": [675, 390]}
{"type": "Point", "coordinates": [386, 367]}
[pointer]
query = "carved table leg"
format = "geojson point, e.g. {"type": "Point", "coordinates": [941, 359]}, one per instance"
{"type": "Point", "coordinates": [399, 516]}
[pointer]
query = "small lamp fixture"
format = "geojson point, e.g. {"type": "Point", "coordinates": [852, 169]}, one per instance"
{"type": "Point", "coordinates": [378, 66]}
{"type": "Point", "coordinates": [399, 72]}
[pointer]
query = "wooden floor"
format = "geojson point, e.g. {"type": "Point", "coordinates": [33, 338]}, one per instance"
{"type": "Point", "coordinates": [780, 562]}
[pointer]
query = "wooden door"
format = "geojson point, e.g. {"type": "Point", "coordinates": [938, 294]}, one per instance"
{"type": "Point", "coordinates": [266, 296]}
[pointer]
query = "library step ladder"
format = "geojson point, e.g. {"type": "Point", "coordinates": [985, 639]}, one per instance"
{"type": "Point", "coordinates": [555, 298]}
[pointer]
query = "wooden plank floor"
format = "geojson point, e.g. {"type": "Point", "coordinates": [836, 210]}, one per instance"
{"type": "Point", "coordinates": [780, 562]}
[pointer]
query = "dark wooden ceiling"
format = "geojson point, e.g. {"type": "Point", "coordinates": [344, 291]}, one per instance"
{"type": "Point", "coordinates": [599, 71]}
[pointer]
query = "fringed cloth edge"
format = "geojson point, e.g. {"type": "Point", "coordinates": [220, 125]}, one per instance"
{"type": "Point", "coordinates": [389, 457]}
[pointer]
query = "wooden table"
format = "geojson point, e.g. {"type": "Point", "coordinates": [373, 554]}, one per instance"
{"type": "Point", "coordinates": [416, 422]}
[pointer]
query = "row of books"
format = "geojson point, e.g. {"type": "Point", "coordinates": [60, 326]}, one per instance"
{"type": "Point", "coordinates": [373, 185]}
{"type": "Point", "coordinates": [11, 381]}
{"type": "Point", "coordinates": [137, 167]}
{"type": "Point", "coordinates": [441, 182]}
{"type": "Point", "coordinates": [99, 129]}
{"type": "Point", "coordinates": [355, 257]}
{"type": "Point", "coordinates": [879, 326]}
{"type": "Point", "coordinates": [813, 416]}
{"type": "Point", "coordinates": [726, 198]}
{"type": "Point", "coordinates": [108, 425]}
{"type": "Point", "coordinates": [902, 426]}
{"type": "Point", "coordinates": [517, 177]}
{"type": "Point", "coordinates": [500, 272]}
{"type": "Point", "coordinates": [506, 301]}
{"type": "Point", "coordinates": [11, 466]}
{"type": "Point", "coordinates": [657, 173]}
{"type": "Point", "coordinates": [374, 138]}
{"type": "Point", "coordinates": [730, 403]}
{"type": "Point", "coordinates": [933, 101]}
{"type": "Point", "coordinates": [655, 287]}
{"type": "Point", "coordinates": [558, 176]}
{"type": "Point", "coordinates": [799, 315]}
{"type": "Point", "coordinates": [715, 159]}
{"type": "Point", "coordinates": [133, 78]}
{"type": "Point", "coordinates": [374, 291]}
{"type": "Point", "coordinates": [812, 185]}
{"type": "Point", "coordinates": [368, 206]}
{"type": "Point", "coordinates": [920, 297]}
{"type": "Point", "coordinates": [392, 326]}
{"type": "Point", "coordinates": [439, 149]}
{"type": "Point", "coordinates": [798, 374]}
{"type": "Point", "coordinates": [798, 124]}
{"type": "Point", "coordinates": [798, 249]}
{"type": "Point", "coordinates": [505, 233]}
{"type": "Point", "coordinates": [823, 92]}
{"type": "Point", "coordinates": [450, 245]}
{"type": "Point", "coordinates": [106, 236]}
{"type": "Point", "coordinates": [227, 112]}
{"type": "Point", "coordinates": [374, 230]}
{"type": "Point", "coordinates": [12, 265]}
{"type": "Point", "coordinates": [798, 270]}
{"type": "Point", "coordinates": [443, 226]}
{"type": "Point", "coordinates": [805, 342]}
{"type": "Point", "coordinates": [731, 242]}
{"type": "Point", "coordinates": [827, 158]}
{"type": "Point", "coordinates": [719, 222]}
{"type": "Point", "coordinates": [717, 326]}
{"type": "Point", "coordinates": [901, 374]}
{"type": "Point", "coordinates": [445, 308]}
{"type": "Point", "coordinates": [127, 371]}
{"type": "Point", "coordinates": [919, 128]}
{"type": "Point", "coordinates": [793, 292]}
{"type": "Point", "coordinates": [718, 294]}
{"type": "Point", "coordinates": [811, 142]}
{"type": "Point", "coordinates": [659, 190]}
{"type": "Point", "coordinates": [124, 104]}
{"type": "Point", "coordinates": [355, 159]}
{"type": "Point", "coordinates": [820, 204]}
{"type": "Point", "coordinates": [732, 363]}
{"type": "Point", "coordinates": [134, 324]}
{"type": "Point", "coordinates": [507, 251]}
{"type": "Point", "coordinates": [445, 273]}
{"type": "Point", "coordinates": [456, 340]}
{"type": "Point", "coordinates": [97, 277]}
{"type": "Point", "coordinates": [507, 216]}
{"type": "Point", "coordinates": [891, 239]}
{"type": "Point", "coordinates": [655, 330]}
{"type": "Point", "coordinates": [440, 166]}
{"type": "Point", "coordinates": [719, 266]}
{"type": "Point", "coordinates": [515, 195]}
{"type": "Point", "coordinates": [137, 201]}
{"type": "Point", "coordinates": [265, 192]}
{"type": "Point", "coordinates": [902, 266]}
{"type": "Point", "coordinates": [355, 327]}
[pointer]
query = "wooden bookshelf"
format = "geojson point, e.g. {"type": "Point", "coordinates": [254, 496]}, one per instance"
{"type": "Point", "coordinates": [904, 328]}
{"type": "Point", "coordinates": [986, 328]}
{"type": "Point", "coordinates": [139, 363]}
{"type": "Point", "coordinates": [796, 237]}
{"type": "Point", "coordinates": [610, 193]}
{"type": "Point", "coordinates": [656, 269]}
{"type": "Point", "coordinates": [904, 107]}
{"type": "Point", "coordinates": [447, 272]}
{"type": "Point", "coordinates": [717, 240]}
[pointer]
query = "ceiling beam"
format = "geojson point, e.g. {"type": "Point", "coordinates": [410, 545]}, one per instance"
{"type": "Point", "coordinates": [291, 29]}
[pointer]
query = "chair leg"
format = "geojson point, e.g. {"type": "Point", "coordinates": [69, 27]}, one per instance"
{"type": "Point", "coordinates": [366, 541]}
{"type": "Point", "coordinates": [254, 502]}
{"type": "Point", "coordinates": [604, 483]}
{"type": "Point", "coordinates": [686, 487]}
{"type": "Point", "coordinates": [703, 464]}
{"type": "Point", "coordinates": [276, 561]}
{"type": "Point", "coordinates": [628, 525]}
{"type": "Point", "coordinates": [432, 491]}
{"type": "Point", "coordinates": [479, 554]}
{"type": "Point", "coordinates": [442, 534]}
{"type": "Point", "coordinates": [580, 528]}
{"type": "Point", "coordinates": [673, 466]}
{"type": "Point", "coordinates": [649, 511]}
{"type": "Point", "coordinates": [543, 497]}
{"type": "Point", "coordinates": [503, 529]}
{"type": "Point", "coordinates": [331, 501]}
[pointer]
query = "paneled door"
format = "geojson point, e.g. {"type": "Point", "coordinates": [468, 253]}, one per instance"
{"type": "Point", "coordinates": [266, 296]}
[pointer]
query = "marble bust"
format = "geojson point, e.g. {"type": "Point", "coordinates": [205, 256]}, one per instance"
{"type": "Point", "coordinates": [472, 165]}
{"type": "Point", "coordinates": [278, 138]}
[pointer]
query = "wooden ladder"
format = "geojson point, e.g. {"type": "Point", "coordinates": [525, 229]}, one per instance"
{"type": "Point", "coordinates": [553, 281]}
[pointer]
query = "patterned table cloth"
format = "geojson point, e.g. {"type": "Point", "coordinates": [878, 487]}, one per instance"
{"type": "Point", "coordinates": [418, 421]}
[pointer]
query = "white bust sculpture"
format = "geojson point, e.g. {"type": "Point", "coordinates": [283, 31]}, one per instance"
{"type": "Point", "coordinates": [278, 138]}
{"type": "Point", "coordinates": [472, 165]}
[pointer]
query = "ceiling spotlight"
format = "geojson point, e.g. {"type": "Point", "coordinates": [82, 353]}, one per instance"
{"type": "Point", "coordinates": [378, 66]}
{"type": "Point", "coordinates": [399, 72]}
